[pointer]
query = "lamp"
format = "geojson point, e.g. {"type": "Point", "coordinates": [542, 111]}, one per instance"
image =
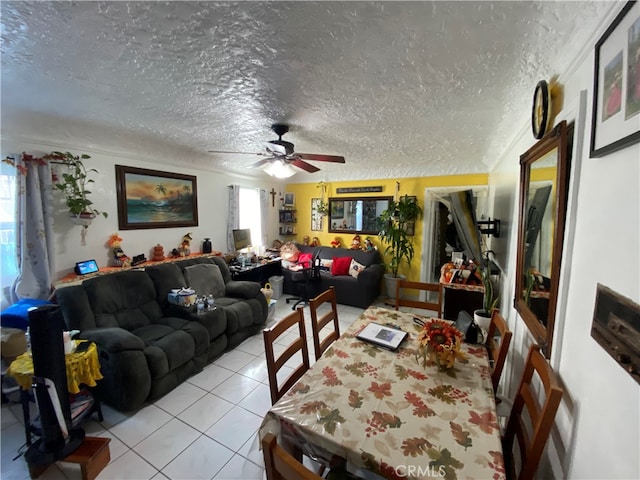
{"type": "Point", "coordinates": [279, 169]}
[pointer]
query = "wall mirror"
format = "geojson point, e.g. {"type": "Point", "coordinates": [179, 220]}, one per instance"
{"type": "Point", "coordinates": [544, 181]}
{"type": "Point", "coordinates": [356, 215]}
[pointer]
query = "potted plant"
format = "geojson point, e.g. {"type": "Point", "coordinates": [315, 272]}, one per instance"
{"type": "Point", "coordinates": [74, 185]}
{"type": "Point", "coordinates": [393, 231]}
{"type": "Point", "coordinates": [490, 298]}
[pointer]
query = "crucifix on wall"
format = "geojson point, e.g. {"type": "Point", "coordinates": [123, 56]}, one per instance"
{"type": "Point", "coordinates": [273, 197]}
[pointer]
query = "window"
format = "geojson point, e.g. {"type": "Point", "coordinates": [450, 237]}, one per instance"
{"type": "Point", "coordinates": [250, 215]}
{"type": "Point", "coordinates": [8, 258]}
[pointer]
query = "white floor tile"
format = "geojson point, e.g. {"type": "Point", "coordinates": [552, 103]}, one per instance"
{"type": "Point", "coordinates": [204, 413]}
{"type": "Point", "coordinates": [256, 369]}
{"type": "Point", "coordinates": [201, 460]}
{"type": "Point", "coordinates": [234, 360]}
{"type": "Point", "coordinates": [251, 450]}
{"type": "Point", "coordinates": [235, 388]}
{"type": "Point", "coordinates": [129, 466]}
{"type": "Point", "coordinates": [180, 398]}
{"type": "Point", "coordinates": [253, 345]}
{"type": "Point", "coordinates": [166, 443]}
{"type": "Point", "coordinates": [239, 468]}
{"type": "Point", "coordinates": [212, 376]}
{"type": "Point", "coordinates": [227, 431]}
{"type": "Point", "coordinates": [258, 401]}
{"type": "Point", "coordinates": [140, 425]}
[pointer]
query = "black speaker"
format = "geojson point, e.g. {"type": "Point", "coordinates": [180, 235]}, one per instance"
{"type": "Point", "coordinates": [58, 440]}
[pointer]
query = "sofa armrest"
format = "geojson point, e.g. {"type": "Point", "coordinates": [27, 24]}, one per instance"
{"type": "Point", "coordinates": [242, 289]}
{"type": "Point", "coordinates": [113, 339]}
{"type": "Point", "coordinates": [371, 274]}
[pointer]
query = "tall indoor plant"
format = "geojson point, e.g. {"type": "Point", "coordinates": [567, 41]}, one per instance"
{"type": "Point", "coordinates": [394, 222]}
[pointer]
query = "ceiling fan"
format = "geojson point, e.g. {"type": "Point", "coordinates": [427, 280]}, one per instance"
{"type": "Point", "coordinates": [282, 156]}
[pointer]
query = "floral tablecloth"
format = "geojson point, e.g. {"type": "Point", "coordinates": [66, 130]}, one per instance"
{"type": "Point", "coordinates": [383, 412]}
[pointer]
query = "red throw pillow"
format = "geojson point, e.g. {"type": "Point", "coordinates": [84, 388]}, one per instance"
{"type": "Point", "coordinates": [340, 266]}
{"type": "Point", "coordinates": [305, 259]}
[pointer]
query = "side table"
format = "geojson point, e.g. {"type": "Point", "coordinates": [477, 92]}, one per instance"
{"type": "Point", "coordinates": [81, 367]}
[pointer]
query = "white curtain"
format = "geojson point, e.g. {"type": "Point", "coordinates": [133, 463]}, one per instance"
{"type": "Point", "coordinates": [35, 240]}
{"type": "Point", "coordinates": [264, 216]}
{"type": "Point", "coordinates": [233, 215]}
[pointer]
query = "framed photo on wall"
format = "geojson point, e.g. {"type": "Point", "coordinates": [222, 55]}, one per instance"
{"type": "Point", "coordinates": [154, 199]}
{"type": "Point", "coordinates": [316, 217]}
{"type": "Point", "coordinates": [615, 122]}
{"type": "Point", "coordinates": [289, 199]}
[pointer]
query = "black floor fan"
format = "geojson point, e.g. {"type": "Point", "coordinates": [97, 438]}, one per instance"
{"type": "Point", "coordinates": [58, 440]}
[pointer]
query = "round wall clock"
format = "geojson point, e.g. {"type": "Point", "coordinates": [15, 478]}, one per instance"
{"type": "Point", "coordinates": [541, 111]}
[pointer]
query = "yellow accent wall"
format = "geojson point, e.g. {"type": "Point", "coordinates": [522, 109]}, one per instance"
{"type": "Point", "coordinates": [304, 192]}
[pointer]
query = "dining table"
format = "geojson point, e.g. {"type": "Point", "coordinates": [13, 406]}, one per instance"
{"type": "Point", "coordinates": [386, 414]}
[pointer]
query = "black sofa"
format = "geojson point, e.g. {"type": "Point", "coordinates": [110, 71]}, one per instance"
{"type": "Point", "coordinates": [148, 346]}
{"type": "Point", "coordinates": [358, 292]}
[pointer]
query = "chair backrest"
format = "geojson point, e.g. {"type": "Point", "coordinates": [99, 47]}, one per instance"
{"type": "Point", "coordinates": [280, 465]}
{"type": "Point", "coordinates": [274, 364]}
{"type": "Point", "coordinates": [497, 351]}
{"type": "Point", "coordinates": [429, 287]}
{"type": "Point", "coordinates": [319, 321]}
{"type": "Point", "coordinates": [540, 401]}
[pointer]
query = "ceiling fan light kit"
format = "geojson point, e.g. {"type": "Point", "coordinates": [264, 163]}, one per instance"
{"type": "Point", "coordinates": [279, 169]}
{"type": "Point", "coordinates": [284, 158]}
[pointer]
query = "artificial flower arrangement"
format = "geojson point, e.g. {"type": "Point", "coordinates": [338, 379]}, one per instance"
{"type": "Point", "coordinates": [439, 344]}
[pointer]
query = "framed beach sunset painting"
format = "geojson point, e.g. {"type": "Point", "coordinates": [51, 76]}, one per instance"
{"type": "Point", "coordinates": [154, 199]}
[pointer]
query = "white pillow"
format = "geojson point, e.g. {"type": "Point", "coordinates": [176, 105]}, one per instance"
{"type": "Point", "coordinates": [355, 268]}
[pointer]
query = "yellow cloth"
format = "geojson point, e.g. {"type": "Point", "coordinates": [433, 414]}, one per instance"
{"type": "Point", "coordinates": [82, 367]}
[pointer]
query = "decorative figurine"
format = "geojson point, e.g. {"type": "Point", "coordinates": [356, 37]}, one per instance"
{"type": "Point", "coordinates": [305, 240]}
{"type": "Point", "coordinates": [355, 243]}
{"type": "Point", "coordinates": [315, 242]}
{"type": "Point", "coordinates": [184, 250]}
{"type": "Point", "coordinates": [119, 257]}
{"type": "Point", "coordinates": [368, 245]}
{"type": "Point", "coordinates": [158, 253]}
{"type": "Point", "coordinates": [335, 243]}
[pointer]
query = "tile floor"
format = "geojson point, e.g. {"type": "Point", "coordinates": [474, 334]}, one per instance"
{"type": "Point", "coordinates": [204, 429]}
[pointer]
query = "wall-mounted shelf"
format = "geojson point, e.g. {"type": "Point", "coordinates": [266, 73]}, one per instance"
{"type": "Point", "coordinates": [288, 221]}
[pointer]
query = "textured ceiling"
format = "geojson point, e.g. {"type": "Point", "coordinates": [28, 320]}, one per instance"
{"type": "Point", "coordinates": [398, 88]}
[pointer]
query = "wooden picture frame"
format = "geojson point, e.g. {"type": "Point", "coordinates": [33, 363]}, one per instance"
{"type": "Point", "coordinates": [155, 199]}
{"type": "Point", "coordinates": [616, 84]}
{"type": "Point", "coordinates": [316, 217]}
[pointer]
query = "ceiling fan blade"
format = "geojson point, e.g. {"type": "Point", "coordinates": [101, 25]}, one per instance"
{"type": "Point", "coordinates": [297, 162]}
{"type": "Point", "coordinates": [239, 153]}
{"type": "Point", "coordinates": [263, 162]}
{"type": "Point", "coordinates": [321, 158]}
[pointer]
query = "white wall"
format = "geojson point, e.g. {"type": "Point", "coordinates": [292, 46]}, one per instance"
{"type": "Point", "coordinates": [597, 432]}
{"type": "Point", "coordinates": [212, 208]}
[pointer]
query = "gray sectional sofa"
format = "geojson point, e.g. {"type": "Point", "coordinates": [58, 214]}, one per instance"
{"type": "Point", "coordinates": [358, 292]}
{"type": "Point", "coordinates": [148, 346]}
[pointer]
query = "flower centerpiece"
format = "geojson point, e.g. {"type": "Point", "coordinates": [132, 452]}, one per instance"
{"type": "Point", "coordinates": [439, 344]}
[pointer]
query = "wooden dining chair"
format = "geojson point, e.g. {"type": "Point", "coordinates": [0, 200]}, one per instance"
{"type": "Point", "coordinates": [497, 343]}
{"type": "Point", "coordinates": [274, 364]}
{"type": "Point", "coordinates": [318, 322]}
{"type": "Point", "coordinates": [532, 416]}
{"type": "Point", "coordinates": [428, 287]}
{"type": "Point", "coordinates": [280, 465]}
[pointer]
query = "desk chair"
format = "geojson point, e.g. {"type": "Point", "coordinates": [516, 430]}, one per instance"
{"type": "Point", "coordinates": [428, 287]}
{"type": "Point", "coordinates": [305, 280]}
{"type": "Point", "coordinates": [328, 297]}
{"type": "Point", "coordinates": [497, 351]}
{"type": "Point", "coordinates": [274, 364]}
{"type": "Point", "coordinates": [540, 400]}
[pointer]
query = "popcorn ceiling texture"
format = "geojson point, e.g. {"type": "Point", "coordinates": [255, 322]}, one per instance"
{"type": "Point", "coordinates": [403, 88]}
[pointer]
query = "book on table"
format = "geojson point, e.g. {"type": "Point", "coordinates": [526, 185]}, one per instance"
{"type": "Point", "coordinates": [387, 336]}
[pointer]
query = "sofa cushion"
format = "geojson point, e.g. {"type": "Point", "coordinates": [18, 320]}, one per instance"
{"type": "Point", "coordinates": [325, 264]}
{"type": "Point", "coordinates": [305, 259]}
{"type": "Point", "coordinates": [205, 279]}
{"type": "Point", "coordinates": [355, 268]}
{"type": "Point", "coordinates": [340, 266]}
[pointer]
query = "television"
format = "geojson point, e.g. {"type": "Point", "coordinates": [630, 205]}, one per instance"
{"type": "Point", "coordinates": [241, 239]}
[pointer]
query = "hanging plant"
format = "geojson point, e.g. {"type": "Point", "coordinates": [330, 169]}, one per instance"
{"type": "Point", "coordinates": [74, 184]}
{"type": "Point", "coordinates": [323, 207]}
